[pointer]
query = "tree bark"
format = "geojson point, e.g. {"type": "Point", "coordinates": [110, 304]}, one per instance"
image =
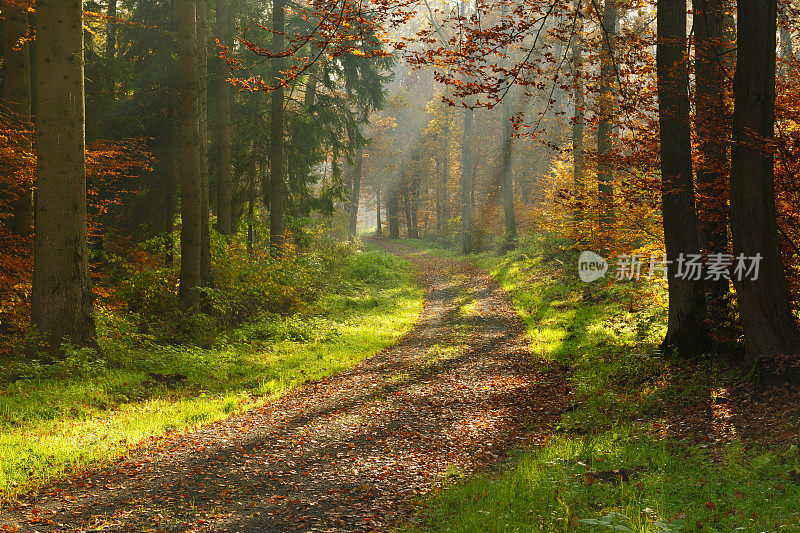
{"type": "Point", "coordinates": [378, 228]}
{"type": "Point", "coordinates": [445, 169]}
{"type": "Point", "coordinates": [17, 94]}
{"type": "Point", "coordinates": [393, 211]}
{"type": "Point", "coordinates": [355, 195]}
{"type": "Point", "coordinates": [712, 125]}
{"type": "Point", "coordinates": [169, 222]}
{"type": "Point", "coordinates": [685, 326]}
{"type": "Point", "coordinates": [191, 186]}
{"type": "Point", "coordinates": [605, 173]}
{"type": "Point", "coordinates": [277, 162]}
{"type": "Point", "coordinates": [466, 183]}
{"type": "Point", "coordinates": [415, 201]}
{"type": "Point", "coordinates": [61, 298]}
{"type": "Point", "coordinates": [507, 179]}
{"type": "Point", "coordinates": [224, 172]}
{"type": "Point", "coordinates": [767, 321]}
{"type": "Point", "coordinates": [578, 119]}
{"type": "Point", "coordinates": [111, 48]}
{"type": "Point", "coordinates": [251, 200]}
{"type": "Point", "coordinates": [205, 207]}
{"type": "Point", "coordinates": [406, 201]}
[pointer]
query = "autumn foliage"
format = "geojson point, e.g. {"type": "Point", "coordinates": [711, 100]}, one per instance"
{"type": "Point", "coordinates": [112, 170]}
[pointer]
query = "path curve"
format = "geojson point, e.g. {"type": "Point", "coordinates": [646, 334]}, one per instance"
{"type": "Point", "coordinates": [353, 452]}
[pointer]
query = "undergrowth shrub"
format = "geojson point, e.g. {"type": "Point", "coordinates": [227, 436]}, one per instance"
{"type": "Point", "coordinates": [370, 267]}
{"type": "Point", "coordinates": [248, 288]}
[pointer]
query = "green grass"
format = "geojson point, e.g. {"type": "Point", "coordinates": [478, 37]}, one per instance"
{"type": "Point", "coordinates": [608, 334]}
{"type": "Point", "coordinates": [670, 488]}
{"type": "Point", "coordinates": [56, 420]}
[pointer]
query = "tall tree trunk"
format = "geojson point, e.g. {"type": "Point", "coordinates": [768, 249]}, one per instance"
{"type": "Point", "coordinates": [251, 200]}
{"type": "Point", "coordinates": [378, 228]}
{"type": "Point", "coordinates": [578, 119]}
{"type": "Point", "coordinates": [605, 173]}
{"type": "Point", "coordinates": [466, 183]}
{"type": "Point", "coordinates": [17, 94]}
{"type": "Point", "coordinates": [393, 211]}
{"type": "Point", "coordinates": [440, 192]}
{"type": "Point", "coordinates": [767, 321]}
{"type": "Point", "coordinates": [61, 298]}
{"type": "Point", "coordinates": [406, 201]}
{"type": "Point", "coordinates": [277, 162]}
{"type": "Point", "coordinates": [224, 173]}
{"type": "Point", "coordinates": [191, 186]}
{"type": "Point", "coordinates": [445, 170]}
{"type": "Point", "coordinates": [713, 131]}
{"type": "Point", "coordinates": [311, 90]}
{"type": "Point", "coordinates": [111, 48]}
{"type": "Point", "coordinates": [507, 179]}
{"type": "Point", "coordinates": [685, 326]}
{"type": "Point", "coordinates": [355, 195]}
{"type": "Point", "coordinates": [466, 168]}
{"type": "Point", "coordinates": [473, 180]}
{"type": "Point", "coordinates": [169, 222]}
{"type": "Point", "coordinates": [415, 200]}
{"type": "Point", "coordinates": [32, 56]}
{"type": "Point", "coordinates": [205, 208]}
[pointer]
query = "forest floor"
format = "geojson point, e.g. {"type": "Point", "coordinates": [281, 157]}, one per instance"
{"type": "Point", "coordinates": [351, 452]}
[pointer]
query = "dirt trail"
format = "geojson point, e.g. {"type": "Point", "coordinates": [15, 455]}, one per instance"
{"type": "Point", "coordinates": [353, 452]}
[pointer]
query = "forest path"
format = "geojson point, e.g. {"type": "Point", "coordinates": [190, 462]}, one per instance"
{"type": "Point", "coordinates": [353, 452]}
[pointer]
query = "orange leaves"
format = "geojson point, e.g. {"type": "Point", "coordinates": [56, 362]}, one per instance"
{"type": "Point", "coordinates": [111, 167]}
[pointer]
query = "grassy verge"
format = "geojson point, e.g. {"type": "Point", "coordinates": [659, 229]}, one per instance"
{"type": "Point", "coordinates": [56, 420]}
{"type": "Point", "coordinates": [612, 468]}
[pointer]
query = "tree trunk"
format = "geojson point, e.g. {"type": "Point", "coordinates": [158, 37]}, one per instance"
{"type": "Point", "coordinates": [685, 326]}
{"type": "Point", "coordinates": [713, 132]}
{"type": "Point", "coordinates": [393, 211]}
{"type": "Point", "coordinates": [277, 163]}
{"type": "Point", "coordinates": [439, 193]}
{"type": "Point", "coordinates": [169, 222]}
{"type": "Point", "coordinates": [578, 119]}
{"type": "Point", "coordinates": [224, 173]}
{"type": "Point", "coordinates": [406, 201]}
{"type": "Point", "coordinates": [111, 48]}
{"type": "Point", "coordinates": [17, 94]}
{"type": "Point", "coordinates": [61, 298]}
{"type": "Point", "coordinates": [251, 200]}
{"type": "Point", "coordinates": [191, 186]}
{"type": "Point", "coordinates": [445, 171]}
{"type": "Point", "coordinates": [605, 173]}
{"type": "Point", "coordinates": [355, 195]}
{"type": "Point", "coordinates": [440, 188]}
{"type": "Point", "coordinates": [415, 200]}
{"type": "Point", "coordinates": [311, 90]}
{"type": "Point", "coordinates": [378, 228]}
{"type": "Point", "coordinates": [205, 208]}
{"type": "Point", "coordinates": [507, 179]}
{"type": "Point", "coordinates": [767, 321]}
{"type": "Point", "coordinates": [466, 183]}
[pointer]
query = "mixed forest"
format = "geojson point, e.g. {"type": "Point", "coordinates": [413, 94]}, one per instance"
{"type": "Point", "coordinates": [522, 265]}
